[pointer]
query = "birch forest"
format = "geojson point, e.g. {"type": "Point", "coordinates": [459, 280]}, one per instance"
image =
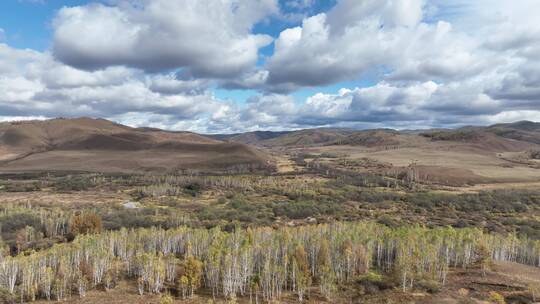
{"type": "Point", "coordinates": [256, 263]}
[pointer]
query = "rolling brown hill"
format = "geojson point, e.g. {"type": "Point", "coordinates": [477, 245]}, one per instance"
{"type": "Point", "coordinates": [483, 139]}
{"type": "Point", "coordinates": [86, 144]}
{"type": "Point", "coordinates": [523, 130]}
{"type": "Point", "coordinates": [318, 137]}
{"type": "Point", "coordinates": [374, 138]}
{"type": "Point", "coordinates": [308, 137]}
{"type": "Point", "coordinates": [517, 136]}
{"type": "Point", "coordinates": [251, 138]}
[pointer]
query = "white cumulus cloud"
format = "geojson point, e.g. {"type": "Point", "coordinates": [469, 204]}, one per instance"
{"type": "Point", "coordinates": [210, 38]}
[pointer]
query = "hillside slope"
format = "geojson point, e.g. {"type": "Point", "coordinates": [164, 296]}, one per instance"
{"type": "Point", "coordinates": [251, 138]}
{"type": "Point", "coordinates": [86, 144]}
{"type": "Point", "coordinates": [523, 130]}
{"type": "Point", "coordinates": [511, 137]}
{"type": "Point", "coordinates": [309, 137]}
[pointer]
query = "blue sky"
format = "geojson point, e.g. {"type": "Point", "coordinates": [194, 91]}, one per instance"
{"type": "Point", "coordinates": [29, 21]}
{"type": "Point", "coordinates": [27, 24]}
{"type": "Point", "coordinates": [239, 65]}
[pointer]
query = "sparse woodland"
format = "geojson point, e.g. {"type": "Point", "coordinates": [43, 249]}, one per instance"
{"type": "Point", "coordinates": [261, 263]}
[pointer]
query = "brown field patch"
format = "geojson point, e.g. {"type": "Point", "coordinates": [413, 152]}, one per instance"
{"type": "Point", "coordinates": [444, 161]}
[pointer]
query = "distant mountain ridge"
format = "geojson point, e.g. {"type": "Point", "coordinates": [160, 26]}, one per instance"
{"type": "Point", "coordinates": [86, 144]}
{"type": "Point", "coordinates": [525, 131]}
{"type": "Point", "coordinates": [249, 137]}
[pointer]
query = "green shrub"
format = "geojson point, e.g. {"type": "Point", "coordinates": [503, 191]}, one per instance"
{"type": "Point", "coordinates": [6, 297]}
{"type": "Point", "coordinates": [69, 183]}
{"type": "Point", "coordinates": [372, 283]}
{"type": "Point", "coordinates": [166, 299]}
{"type": "Point", "coordinates": [193, 188]}
{"type": "Point", "coordinates": [428, 285]}
{"type": "Point", "coordinates": [16, 221]}
{"type": "Point", "coordinates": [388, 221]}
{"type": "Point", "coordinates": [496, 297]}
{"type": "Point", "coordinates": [20, 186]}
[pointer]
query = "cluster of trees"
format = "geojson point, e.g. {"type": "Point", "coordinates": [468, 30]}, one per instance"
{"type": "Point", "coordinates": [361, 179]}
{"type": "Point", "coordinates": [28, 227]}
{"type": "Point", "coordinates": [20, 186]}
{"type": "Point", "coordinates": [454, 135]}
{"type": "Point", "coordinates": [238, 182]}
{"type": "Point", "coordinates": [79, 182]}
{"type": "Point", "coordinates": [262, 263]}
{"type": "Point", "coordinates": [25, 226]}
{"type": "Point", "coordinates": [175, 185]}
{"type": "Point", "coordinates": [149, 184]}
